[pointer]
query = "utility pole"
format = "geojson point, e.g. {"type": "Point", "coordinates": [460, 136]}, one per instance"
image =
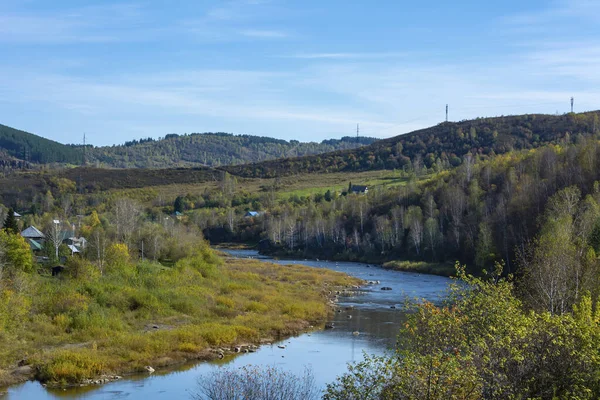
{"type": "Point", "coordinates": [446, 112]}
{"type": "Point", "coordinates": [357, 130]}
{"type": "Point", "coordinates": [84, 161]}
{"type": "Point", "coordinates": [572, 100]}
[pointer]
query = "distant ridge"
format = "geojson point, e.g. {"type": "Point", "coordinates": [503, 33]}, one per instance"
{"type": "Point", "coordinates": [19, 148]}
{"type": "Point", "coordinates": [211, 149]}
{"type": "Point", "coordinates": [444, 144]}
{"type": "Point", "coordinates": [32, 148]}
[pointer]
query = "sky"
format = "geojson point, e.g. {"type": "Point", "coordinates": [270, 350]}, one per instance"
{"type": "Point", "coordinates": [306, 70]}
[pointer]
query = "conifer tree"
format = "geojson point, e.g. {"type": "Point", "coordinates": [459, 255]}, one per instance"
{"type": "Point", "coordinates": [10, 224]}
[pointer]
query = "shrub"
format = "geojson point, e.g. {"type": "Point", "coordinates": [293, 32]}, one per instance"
{"type": "Point", "coordinates": [250, 382]}
{"type": "Point", "coordinates": [69, 366]}
{"type": "Point", "coordinates": [117, 255]}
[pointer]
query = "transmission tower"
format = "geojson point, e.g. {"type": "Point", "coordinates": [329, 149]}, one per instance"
{"type": "Point", "coordinates": [84, 161]}
{"type": "Point", "coordinates": [446, 112]}
{"type": "Point", "coordinates": [572, 101]}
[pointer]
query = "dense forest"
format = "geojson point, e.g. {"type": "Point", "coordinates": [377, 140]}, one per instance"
{"type": "Point", "coordinates": [211, 149]}
{"type": "Point", "coordinates": [440, 147]}
{"type": "Point", "coordinates": [31, 148]}
{"type": "Point", "coordinates": [23, 150]}
{"type": "Point", "coordinates": [481, 212]}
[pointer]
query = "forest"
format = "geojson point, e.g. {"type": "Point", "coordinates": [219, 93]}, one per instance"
{"type": "Point", "coordinates": [211, 149]}
{"type": "Point", "coordinates": [441, 147]}
{"type": "Point", "coordinates": [30, 148]}
{"type": "Point", "coordinates": [23, 150]}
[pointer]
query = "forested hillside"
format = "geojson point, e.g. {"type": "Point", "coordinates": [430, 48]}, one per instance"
{"type": "Point", "coordinates": [211, 149]}
{"type": "Point", "coordinates": [19, 149]}
{"type": "Point", "coordinates": [438, 147]}
{"type": "Point", "coordinates": [35, 149]}
{"type": "Point", "coordinates": [484, 211]}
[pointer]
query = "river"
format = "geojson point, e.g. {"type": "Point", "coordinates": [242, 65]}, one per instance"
{"type": "Point", "coordinates": [326, 352]}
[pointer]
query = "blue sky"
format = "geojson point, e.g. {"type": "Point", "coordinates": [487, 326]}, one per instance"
{"type": "Point", "coordinates": [305, 70]}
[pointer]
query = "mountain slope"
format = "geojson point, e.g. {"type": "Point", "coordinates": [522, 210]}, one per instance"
{"type": "Point", "coordinates": [444, 144]}
{"type": "Point", "coordinates": [19, 148]}
{"type": "Point", "coordinates": [211, 149]}
{"type": "Point", "coordinates": [36, 149]}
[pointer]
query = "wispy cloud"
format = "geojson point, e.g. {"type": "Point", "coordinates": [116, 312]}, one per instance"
{"type": "Point", "coordinates": [345, 56]}
{"type": "Point", "coordinates": [263, 34]}
{"type": "Point", "coordinates": [93, 24]}
{"type": "Point", "coordinates": [556, 16]}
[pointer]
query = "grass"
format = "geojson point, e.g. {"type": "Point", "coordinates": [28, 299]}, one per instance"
{"type": "Point", "coordinates": [443, 269]}
{"type": "Point", "coordinates": [141, 314]}
{"type": "Point", "coordinates": [300, 185]}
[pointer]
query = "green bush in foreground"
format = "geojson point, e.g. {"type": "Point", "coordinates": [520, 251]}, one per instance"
{"type": "Point", "coordinates": [486, 345]}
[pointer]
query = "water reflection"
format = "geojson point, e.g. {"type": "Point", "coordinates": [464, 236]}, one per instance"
{"type": "Point", "coordinates": [327, 352]}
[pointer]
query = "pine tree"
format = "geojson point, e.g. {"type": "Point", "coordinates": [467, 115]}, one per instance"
{"type": "Point", "coordinates": [10, 224]}
{"type": "Point", "coordinates": [178, 206]}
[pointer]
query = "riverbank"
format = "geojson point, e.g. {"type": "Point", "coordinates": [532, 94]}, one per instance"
{"type": "Point", "coordinates": [84, 330]}
{"type": "Point", "coordinates": [422, 267]}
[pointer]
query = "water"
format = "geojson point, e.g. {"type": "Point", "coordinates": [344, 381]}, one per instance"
{"type": "Point", "coordinates": [326, 352]}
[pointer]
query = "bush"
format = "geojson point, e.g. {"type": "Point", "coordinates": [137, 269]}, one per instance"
{"type": "Point", "coordinates": [486, 345]}
{"type": "Point", "coordinates": [117, 255]}
{"type": "Point", "coordinates": [70, 367]}
{"type": "Point", "coordinates": [252, 382]}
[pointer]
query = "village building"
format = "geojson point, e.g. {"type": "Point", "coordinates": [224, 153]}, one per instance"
{"type": "Point", "coordinates": [34, 237]}
{"type": "Point", "coordinates": [359, 189]}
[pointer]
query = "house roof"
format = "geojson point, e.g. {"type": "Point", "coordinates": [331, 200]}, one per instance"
{"type": "Point", "coordinates": [252, 214]}
{"type": "Point", "coordinates": [16, 214]}
{"type": "Point", "coordinates": [34, 245]}
{"type": "Point", "coordinates": [63, 235]}
{"type": "Point", "coordinates": [32, 233]}
{"type": "Point", "coordinates": [73, 248]}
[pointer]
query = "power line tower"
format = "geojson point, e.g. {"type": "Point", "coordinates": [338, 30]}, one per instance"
{"type": "Point", "coordinates": [357, 141]}
{"type": "Point", "coordinates": [84, 160]}
{"type": "Point", "coordinates": [572, 101]}
{"type": "Point", "coordinates": [446, 112]}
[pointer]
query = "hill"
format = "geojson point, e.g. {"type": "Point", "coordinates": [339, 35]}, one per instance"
{"type": "Point", "coordinates": [19, 149]}
{"type": "Point", "coordinates": [443, 145]}
{"type": "Point", "coordinates": [25, 146]}
{"type": "Point", "coordinates": [211, 149]}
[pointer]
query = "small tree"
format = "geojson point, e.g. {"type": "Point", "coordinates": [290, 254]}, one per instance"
{"type": "Point", "coordinates": [178, 206]}
{"type": "Point", "coordinates": [15, 254]}
{"type": "Point", "coordinates": [10, 223]}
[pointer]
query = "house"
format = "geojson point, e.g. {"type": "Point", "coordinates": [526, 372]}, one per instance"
{"type": "Point", "coordinates": [80, 243]}
{"type": "Point", "coordinates": [34, 237]}
{"type": "Point", "coordinates": [17, 215]}
{"type": "Point", "coordinates": [33, 233]}
{"type": "Point", "coordinates": [359, 189]}
{"type": "Point", "coordinates": [178, 215]}
{"type": "Point", "coordinates": [73, 248]}
{"type": "Point", "coordinates": [252, 214]}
